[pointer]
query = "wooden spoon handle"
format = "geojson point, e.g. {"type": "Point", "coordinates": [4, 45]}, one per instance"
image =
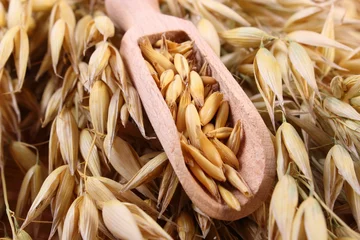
{"type": "Point", "coordinates": [127, 13]}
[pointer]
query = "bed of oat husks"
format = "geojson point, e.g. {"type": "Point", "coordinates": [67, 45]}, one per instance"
{"type": "Point", "coordinates": [72, 123]}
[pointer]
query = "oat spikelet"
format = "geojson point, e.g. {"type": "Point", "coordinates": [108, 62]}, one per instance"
{"type": "Point", "coordinates": [170, 192]}
{"type": "Point", "coordinates": [21, 56]}
{"type": "Point", "coordinates": [71, 229]}
{"type": "Point", "coordinates": [148, 227]}
{"type": "Point", "coordinates": [301, 63]}
{"type": "Point", "coordinates": [345, 166]}
{"type": "Point", "coordinates": [53, 147]}
{"type": "Point", "coordinates": [99, 104]}
{"type": "Point", "coordinates": [125, 160]}
{"type": "Point", "coordinates": [88, 219]}
{"type": "Point", "coordinates": [246, 37]}
{"type": "Point", "coordinates": [185, 226]}
{"type": "Point", "coordinates": [284, 213]}
{"type": "Point", "coordinates": [134, 107]}
{"type": "Point", "coordinates": [341, 108]}
{"type": "Point", "coordinates": [119, 220]}
{"type": "Point", "coordinates": [105, 26]}
{"type": "Point", "coordinates": [316, 39]}
{"type": "Point", "coordinates": [209, 33]}
{"type": "Point", "coordinates": [46, 193]}
{"type": "Point", "coordinates": [89, 152]}
{"type": "Point", "coordinates": [98, 191]}
{"type": "Point", "coordinates": [354, 201]}
{"type": "Point", "coordinates": [333, 181]}
{"type": "Point", "coordinates": [57, 36]}
{"type": "Point", "coordinates": [7, 45]}
{"type": "Point", "coordinates": [267, 74]}
{"type": "Point", "coordinates": [68, 136]}
{"type": "Point", "coordinates": [310, 217]}
{"type": "Point", "coordinates": [121, 157]}
{"type": "Point", "coordinates": [168, 171]}
{"type": "Point", "coordinates": [289, 143]}
{"type": "Point", "coordinates": [328, 31]}
{"type": "Point", "coordinates": [149, 171]}
{"type": "Point", "coordinates": [22, 235]}
{"type": "Point", "coordinates": [52, 107]}
{"type": "Point", "coordinates": [124, 115]}
{"type": "Point", "coordinates": [98, 60]}
{"type": "Point", "coordinates": [62, 199]}
{"type": "Point", "coordinates": [24, 191]}
{"type": "Point", "coordinates": [22, 155]}
{"type": "Point", "coordinates": [115, 106]}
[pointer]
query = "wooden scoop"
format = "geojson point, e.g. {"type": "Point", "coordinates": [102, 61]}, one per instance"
{"type": "Point", "coordinates": [141, 18]}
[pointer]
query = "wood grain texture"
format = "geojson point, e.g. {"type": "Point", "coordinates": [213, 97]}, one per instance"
{"type": "Point", "coordinates": [257, 158]}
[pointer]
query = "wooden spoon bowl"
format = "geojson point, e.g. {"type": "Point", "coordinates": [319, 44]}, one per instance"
{"type": "Point", "coordinates": [141, 18]}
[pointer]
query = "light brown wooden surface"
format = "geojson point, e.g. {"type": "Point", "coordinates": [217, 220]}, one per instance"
{"type": "Point", "coordinates": [257, 159]}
